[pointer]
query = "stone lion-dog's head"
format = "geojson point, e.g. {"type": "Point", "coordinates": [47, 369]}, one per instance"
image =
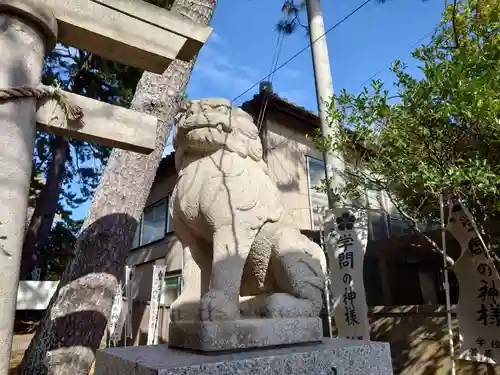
{"type": "Point", "coordinates": [208, 125]}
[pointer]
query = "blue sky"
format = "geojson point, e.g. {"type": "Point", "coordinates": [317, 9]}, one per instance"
{"type": "Point", "coordinates": [239, 53]}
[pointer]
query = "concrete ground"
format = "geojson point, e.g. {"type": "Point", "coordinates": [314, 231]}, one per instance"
{"type": "Point", "coordinates": [19, 345]}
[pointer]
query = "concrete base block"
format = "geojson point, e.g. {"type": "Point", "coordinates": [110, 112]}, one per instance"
{"type": "Point", "coordinates": [330, 357]}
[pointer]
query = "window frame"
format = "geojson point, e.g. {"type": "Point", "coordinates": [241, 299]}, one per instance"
{"type": "Point", "coordinates": [167, 229]}
{"type": "Point", "coordinates": [389, 220]}
{"type": "Point", "coordinates": [171, 276]}
{"type": "Point", "coordinates": [394, 231]}
{"type": "Point", "coordinates": [371, 224]}
{"type": "Point", "coordinates": [309, 187]}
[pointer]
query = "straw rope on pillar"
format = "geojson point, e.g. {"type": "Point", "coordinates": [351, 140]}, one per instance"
{"type": "Point", "coordinates": [73, 112]}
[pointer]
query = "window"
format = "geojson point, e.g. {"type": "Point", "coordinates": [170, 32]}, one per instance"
{"type": "Point", "coordinates": [373, 282]}
{"type": "Point", "coordinates": [155, 222]}
{"type": "Point", "coordinates": [171, 290]}
{"type": "Point", "coordinates": [399, 227]}
{"type": "Point", "coordinates": [377, 225]}
{"type": "Point", "coordinates": [381, 226]}
{"type": "Point", "coordinates": [318, 200]}
{"type": "Point", "coordinates": [405, 283]}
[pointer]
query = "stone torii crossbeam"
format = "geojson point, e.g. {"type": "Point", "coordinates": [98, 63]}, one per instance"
{"type": "Point", "coordinates": [131, 32]}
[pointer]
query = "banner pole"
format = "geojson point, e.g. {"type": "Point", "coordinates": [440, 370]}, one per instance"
{"type": "Point", "coordinates": [447, 286]}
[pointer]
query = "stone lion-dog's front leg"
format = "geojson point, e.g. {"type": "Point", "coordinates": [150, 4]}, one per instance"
{"type": "Point", "coordinates": [196, 270]}
{"type": "Point", "coordinates": [231, 245]}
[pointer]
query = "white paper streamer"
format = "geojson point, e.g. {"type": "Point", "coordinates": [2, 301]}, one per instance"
{"type": "Point", "coordinates": [154, 305]}
{"type": "Point", "coordinates": [129, 276]}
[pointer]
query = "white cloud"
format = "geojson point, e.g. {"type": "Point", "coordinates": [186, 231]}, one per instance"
{"type": "Point", "coordinates": [218, 74]}
{"type": "Point", "coordinates": [216, 67]}
{"type": "Point", "coordinates": [215, 38]}
{"type": "Point", "coordinates": [289, 73]}
{"type": "Point", "coordinates": [249, 71]}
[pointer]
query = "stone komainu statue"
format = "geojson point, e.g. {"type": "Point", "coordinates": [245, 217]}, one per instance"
{"type": "Point", "coordinates": [238, 239]}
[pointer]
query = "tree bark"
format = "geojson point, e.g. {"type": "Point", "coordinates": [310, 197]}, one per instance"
{"type": "Point", "coordinates": [45, 209]}
{"type": "Point", "coordinates": [73, 325]}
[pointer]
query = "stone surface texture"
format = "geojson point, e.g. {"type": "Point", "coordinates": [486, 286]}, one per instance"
{"type": "Point", "coordinates": [130, 32]}
{"type": "Point", "coordinates": [103, 124]}
{"type": "Point", "coordinates": [38, 15]}
{"type": "Point", "coordinates": [238, 239]}
{"type": "Point", "coordinates": [333, 357]}
{"type": "Point", "coordinates": [23, 46]}
{"type": "Point", "coordinates": [227, 335]}
{"type": "Point", "coordinates": [195, 33]}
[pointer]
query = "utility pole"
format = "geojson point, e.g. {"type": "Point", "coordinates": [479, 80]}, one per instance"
{"type": "Point", "coordinates": [334, 164]}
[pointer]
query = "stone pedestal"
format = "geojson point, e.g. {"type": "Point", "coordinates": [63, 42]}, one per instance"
{"type": "Point", "coordinates": [210, 336]}
{"type": "Point", "coordinates": [330, 357]}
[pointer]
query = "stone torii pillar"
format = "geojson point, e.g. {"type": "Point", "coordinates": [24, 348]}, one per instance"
{"type": "Point", "coordinates": [131, 32]}
{"type": "Point", "coordinates": [27, 33]}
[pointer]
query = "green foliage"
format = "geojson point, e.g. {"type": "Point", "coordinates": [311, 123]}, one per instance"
{"type": "Point", "coordinates": [83, 73]}
{"type": "Point", "coordinates": [58, 249]}
{"type": "Point", "coordinates": [86, 74]}
{"type": "Point", "coordinates": [291, 16]}
{"type": "Point", "coordinates": [439, 133]}
{"type": "Point", "coordinates": [292, 11]}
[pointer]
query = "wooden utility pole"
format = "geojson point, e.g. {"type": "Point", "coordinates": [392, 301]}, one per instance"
{"type": "Point", "coordinates": [334, 164]}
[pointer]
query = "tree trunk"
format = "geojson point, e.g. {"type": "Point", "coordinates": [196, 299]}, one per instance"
{"type": "Point", "coordinates": [45, 209]}
{"type": "Point", "coordinates": [72, 328]}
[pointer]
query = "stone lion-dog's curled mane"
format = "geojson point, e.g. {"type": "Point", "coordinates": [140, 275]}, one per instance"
{"type": "Point", "coordinates": [218, 117]}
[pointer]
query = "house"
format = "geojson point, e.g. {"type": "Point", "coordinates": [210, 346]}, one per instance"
{"type": "Point", "coordinates": [400, 268]}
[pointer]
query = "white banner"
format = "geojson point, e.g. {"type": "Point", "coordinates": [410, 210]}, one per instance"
{"type": "Point", "coordinates": [346, 237]}
{"type": "Point", "coordinates": [154, 304]}
{"type": "Point", "coordinates": [129, 276]}
{"type": "Point", "coordinates": [115, 325]}
{"type": "Point", "coordinates": [478, 308]}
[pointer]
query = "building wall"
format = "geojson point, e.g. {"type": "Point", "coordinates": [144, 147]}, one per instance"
{"type": "Point", "coordinates": [167, 251]}
{"type": "Point", "coordinates": [287, 152]}
{"type": "Point", "coordinates": [418, 336]}
{"type": "Point", "coordinates": [140, 324]}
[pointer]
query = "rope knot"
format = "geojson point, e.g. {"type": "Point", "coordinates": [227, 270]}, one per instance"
{"type": "Point", "coordinates": [72, 112]}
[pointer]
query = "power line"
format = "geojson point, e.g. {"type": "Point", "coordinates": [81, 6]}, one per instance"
{"type": "Point", "coordinates": [274, 63]}
{"type": "Point", "coordinates": [305, 48]}
{"type": "Point", "coordinates": [288, 139]}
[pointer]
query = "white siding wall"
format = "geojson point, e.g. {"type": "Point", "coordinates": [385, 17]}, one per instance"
{"type": "Point", "coordinates": [287, 162]}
